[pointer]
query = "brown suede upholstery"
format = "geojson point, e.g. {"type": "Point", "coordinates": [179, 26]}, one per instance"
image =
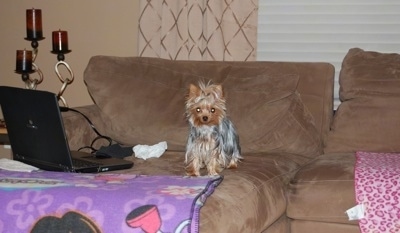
{"type": "Point", "coordinates": [322, 191]}
{"type": "Point", "coordinates": [282, 112]}
{"type": "Point", "coordinates": [366, 120]}
{"type": "Point", "coordinates": [370, 91]}
{"type": "Point", "coordinates": [298, 170]}
{"type": "Point", "coordinates": [253, 195]}
{"type": "Point", "coordinates": [262, 102]}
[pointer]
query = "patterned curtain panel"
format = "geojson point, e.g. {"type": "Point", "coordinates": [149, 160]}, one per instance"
{"type": "Point", "coordinates": [223, 30]}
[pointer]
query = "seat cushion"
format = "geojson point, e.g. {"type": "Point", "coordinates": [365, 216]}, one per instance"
{"type": "Point", "coordinates": [301, 226]}
{"type": "Point", "coordinates": [250, 198]}
{"type": "Point", "coordinates": [323, 190]}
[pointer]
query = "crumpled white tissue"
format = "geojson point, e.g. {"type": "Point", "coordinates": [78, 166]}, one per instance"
{"type": "Point", "coordinates": [146, 151]}
{"type": "Point", "coordinates": [13, 165]}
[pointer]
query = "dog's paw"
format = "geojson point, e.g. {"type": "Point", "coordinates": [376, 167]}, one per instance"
{"type": "Point", "coordinates": [214, 173]}
{"type": "Point", "coordinates": [213, 170]}
{"type": "Point", "coordinates": [232, 164]}
{"type": "Point", "coordinates": [192, 171]}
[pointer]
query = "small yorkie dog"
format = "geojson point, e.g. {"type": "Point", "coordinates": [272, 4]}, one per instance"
{"type": "Point", "coordinates": [213, 142]}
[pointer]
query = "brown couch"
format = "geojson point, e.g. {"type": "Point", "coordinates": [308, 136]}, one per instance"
{"type": "Point", "coordinates": [297, 172]}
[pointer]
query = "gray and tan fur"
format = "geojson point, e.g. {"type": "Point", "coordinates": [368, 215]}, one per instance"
{"type": "Point", "coordinates": [212, 142]}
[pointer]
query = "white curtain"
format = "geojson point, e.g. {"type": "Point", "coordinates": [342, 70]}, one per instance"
{"type": "Point", "coordinates": [224, 30]}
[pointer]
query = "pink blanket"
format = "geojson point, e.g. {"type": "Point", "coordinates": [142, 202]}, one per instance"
{"type": "Point", "coordinates": [377, 186]}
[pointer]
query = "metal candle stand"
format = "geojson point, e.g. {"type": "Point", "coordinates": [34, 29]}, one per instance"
{"type": "Point", "coordinates": [64, 80]}
{"type": "Point", "coordinates": [26, 64]}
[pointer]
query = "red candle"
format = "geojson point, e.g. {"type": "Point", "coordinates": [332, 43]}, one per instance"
{"type": "Point", "coordinates": [24, 61]}
{"type": "Point", "coordinates": [34, 24]}
{"type": "Point", "coordinates": [60, 41]}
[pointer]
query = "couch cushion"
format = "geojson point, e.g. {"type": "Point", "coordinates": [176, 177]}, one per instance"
{"type": "Point", "coordinates": [366, 124]}
{"type": "Point", "coordinates": [316, 82]}
{"type": "Point", "coordinates": [369, 73]}
{"type": "Point", "coordinates": [142, 101]}
{"type": "Point", "coordinates": [253, 195]}
{"type": "Point", "coordinates": [368, 117]}
{"type": "Point", "coordinates": [269, 113]}
{"type": "Point", "coordinates": [297, 226]}
{"type": "Point", "coordinates": [313, 192]}
{"type": "Point", "coordinates": [140, 104]}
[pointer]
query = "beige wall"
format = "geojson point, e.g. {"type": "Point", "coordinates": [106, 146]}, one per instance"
{"type": "Point", "coordinates": [95, 27]}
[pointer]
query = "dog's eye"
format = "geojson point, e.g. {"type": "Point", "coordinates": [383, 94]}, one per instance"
{"type": "Point", "coordinates": [212, 110]}
{"type": "Point", "coordinates": [197, 109]}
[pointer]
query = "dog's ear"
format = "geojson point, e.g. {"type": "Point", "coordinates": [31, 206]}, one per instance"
{"type": "Point", "coordinates": [219, 91]}
{"type": "Point", "coordinates": [193, 91]}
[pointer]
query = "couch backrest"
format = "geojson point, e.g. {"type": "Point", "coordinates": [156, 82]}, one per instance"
{"type": "Point", "coordinates": [142, 100]}
{"type": "Point", "coordinates": [367, 119]}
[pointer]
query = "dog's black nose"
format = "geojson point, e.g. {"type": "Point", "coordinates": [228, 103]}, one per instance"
{"type": "Point", "coordinates": [205, 118]}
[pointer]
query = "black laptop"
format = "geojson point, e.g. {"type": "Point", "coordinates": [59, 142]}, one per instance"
{"type": "Point", "coordinates": [37, 136]}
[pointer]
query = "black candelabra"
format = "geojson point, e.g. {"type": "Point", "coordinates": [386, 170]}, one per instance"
{"type": "Point", "coordinates": [25, 62]}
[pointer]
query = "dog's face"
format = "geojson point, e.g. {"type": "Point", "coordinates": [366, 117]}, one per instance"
{"type": "Point", "coordinates": [205, 105]}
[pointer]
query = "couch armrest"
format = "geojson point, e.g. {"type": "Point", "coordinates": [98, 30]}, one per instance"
{"type": "Point", "coordinates": [78, 129]}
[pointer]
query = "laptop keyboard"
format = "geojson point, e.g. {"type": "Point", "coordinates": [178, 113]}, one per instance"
{"type": "Point", "coordinates": [77, 163]}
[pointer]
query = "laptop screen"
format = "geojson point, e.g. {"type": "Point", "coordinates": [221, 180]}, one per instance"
{"type": "Point", "coordinates": [35, 128]}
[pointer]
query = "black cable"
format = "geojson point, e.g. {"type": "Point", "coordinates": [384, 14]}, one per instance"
{"type": "Point", "coordinates": [99, 135]}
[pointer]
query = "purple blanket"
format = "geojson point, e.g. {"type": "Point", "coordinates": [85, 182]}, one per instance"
{"type": "Point", "coordinates": [48, 201]}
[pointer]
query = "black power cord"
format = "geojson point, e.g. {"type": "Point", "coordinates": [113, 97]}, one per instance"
{"type": "Point", "coordinates": [99, 135]}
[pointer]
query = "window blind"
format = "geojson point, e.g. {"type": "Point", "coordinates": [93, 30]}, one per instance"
{"type": "Point", "coordinates": [323, 31]}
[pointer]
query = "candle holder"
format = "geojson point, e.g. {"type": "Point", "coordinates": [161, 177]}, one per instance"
{"type": "Point", "coordinates": [26, 65]}
{"type": "Point", "coordinates": [31, 83]}
{"type": "Point", "coordinates": [65, 81]}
